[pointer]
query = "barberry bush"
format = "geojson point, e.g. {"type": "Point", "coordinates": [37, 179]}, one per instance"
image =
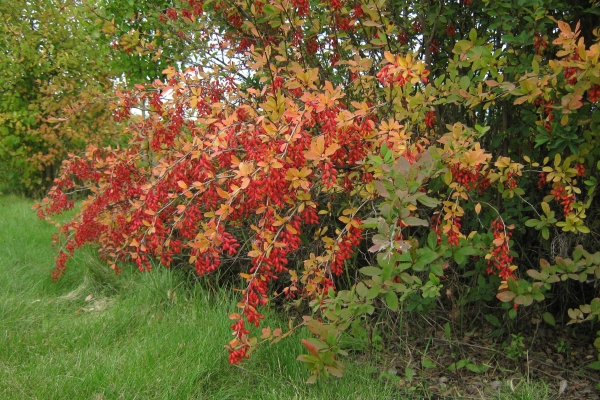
{"type": "Point", "coordinates": [351, 157]}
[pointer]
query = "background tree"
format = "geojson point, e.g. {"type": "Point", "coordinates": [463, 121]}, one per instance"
{"type": "Point", "coordinates": [52, 73]}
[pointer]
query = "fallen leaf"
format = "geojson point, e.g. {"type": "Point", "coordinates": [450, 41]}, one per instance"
{"type": "Point", "coordinates": [562, 387]}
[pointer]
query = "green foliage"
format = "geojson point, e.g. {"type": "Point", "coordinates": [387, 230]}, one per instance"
{"type": "Point", "coordinates": [52, 74]}
{"type": "Point", "coordinates": [141, 45]}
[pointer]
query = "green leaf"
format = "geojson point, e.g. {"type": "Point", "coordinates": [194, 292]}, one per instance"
{"type": "Point", "coordinates": [432, 240]}
{"type": "Point", "coordinates": [370, 271]}
{"type": "Point", "coordinates": [429, 201]}
{"type": "Point", "coordinates": [373, 292]}
{"type": "Point", "coordinates": [493, 320]}
{"type": "Point", "coordinates": [409, 374]}
{"type": "Point", "coordinates": [414, 221]}
{"type": "Point", "coordinates": [583, 229]}
{"type": "Point", "coordinates": [549, 318]}
{"type": "Point", "coordinates": [369, 223]}
{"type": "Point", "coordinates": [391, 300]}
{"type": "Point", "coordinates": [465, 82]}
{"type": "Point", "coordinates": [594, 365]}
{"type": "Point", "coordinates": [447, 331]}
{"type": "Point", "coordinates": [426, 255]}
{"type": "Point", "coordinates": [436, 268]}
{"type": "Point", "coordinates": [459, 258]}
{"type": "Point", "coordinates": [476, 368]}
{"type": "Point", "coordinates": [545, 233]}
{"type": "Point", "coordinates": [537, 275]}
{"type": "Point", "coordinates": [531, 222]}
{"type": "Point", "coordinates": [473, 35]}
{"type": "Point", "coordinates": [361, 289]}
{"type": "Point", "coordinates": [460, 255]}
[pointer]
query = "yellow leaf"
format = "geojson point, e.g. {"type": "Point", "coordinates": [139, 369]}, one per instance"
{"type": "Point", "coordinates": [222, 193]}
{"type": "Point", "coordinates": [546, 208]}
{"type": "Point", "coordinates": [276, 164]}
{"type": "Point", "coordinates": [448, 177]}
{"type": "Point", "coordinates": [331, 149]}
{"type": "Point", "coordinates": [477, 208]}
{"type": "Point", "coordinates": [317, 148]}
{"type": "Point", "coordinates": [389, 57]}
{"type": "Point", "coordinates": [246, 168]}
{"type": "Point", "coordinates": [254, 253]}
{"type": "Point", "coordinates": [343, 219]}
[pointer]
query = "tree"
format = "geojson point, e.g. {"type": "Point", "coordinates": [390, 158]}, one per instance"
{"type": "Point", "coordinates": [52, 75]}
{"type": "Point", "coordinates": [431, 136]}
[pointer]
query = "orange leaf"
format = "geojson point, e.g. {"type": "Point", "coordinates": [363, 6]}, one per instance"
{"type": "Point", "coordinates": [317, 148]}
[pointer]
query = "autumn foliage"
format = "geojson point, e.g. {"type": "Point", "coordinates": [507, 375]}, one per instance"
{"type": "Point", "coordinates": [352, 157]}
{"type": "Point", "coordinates": [53, 100]}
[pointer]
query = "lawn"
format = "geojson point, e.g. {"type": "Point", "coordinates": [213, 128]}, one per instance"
{"type": "Point", "coordinates": [97, 335]}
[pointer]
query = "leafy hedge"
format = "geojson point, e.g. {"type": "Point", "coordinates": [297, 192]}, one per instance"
{"type": "Point", "coordinates": [382, 156]}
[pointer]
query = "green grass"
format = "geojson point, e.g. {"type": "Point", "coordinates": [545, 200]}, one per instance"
{"type": "Point", "coordinates": [96, 335]}
{"type": "Point", "coordinates": [140, 336]}
{"type": "Point", "coordinates": [524, 390]}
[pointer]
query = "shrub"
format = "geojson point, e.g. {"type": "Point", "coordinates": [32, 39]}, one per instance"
{"type": "Point", "coordinates": [372, 160]}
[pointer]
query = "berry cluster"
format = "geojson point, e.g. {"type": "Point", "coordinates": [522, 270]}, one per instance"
{"type": "Point", "coordinates": [335, 4]}
{"type": "Point", "coordinates": [471, 179]}
{"type": "Point", "coordinates": [388, 76]}
{"type": "Point", "coordinates": [358, 11]}
{"type": "Point", "coordinates": [171, 13]}
{"type": "Point", "coordinates": [417, 26]}
{"type": "Point", "coordinates": [570, 72]}
{"type": "Point", "coordinates": [430, 118]}
{"type": "Point", "coordinates": [197, 7]}
{"type": "Point", "coordinates": [594, 93]}
{"type": "Point", "coordinates": [566, 200]}
{"type": "Point", "coordinates": [403, 38]}
{"type": "Point", "coordinates": [511, 181]}
{"type": "Point", "coordinates": [312, 46]}
{"type": "Point", "coordinates": [540, 43]}
{"type": "Point", "coordinates": [452, 231]}
{"type": "Point", "coordinates": [434, 47]}
{"type": "Point", "coordinates": [580, 169]}
{"type": "Point", "coordinates": [343, 23]}
{"type": "Point", "coordinates": [543, 180]}
{"type": "Point", "coordinates": [302, 7]}
{"type": "Point", "coordinates": [499, 261]}
{"type": "Point", "coordinates": [346, 246]}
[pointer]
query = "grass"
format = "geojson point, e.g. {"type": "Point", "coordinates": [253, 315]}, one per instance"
{"type": "Point", "coordinates": [524, 390]}
{"type": "Point", "coordinates": [142, 336]}
{"type": "Point", "coordinates": [96, 335]}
